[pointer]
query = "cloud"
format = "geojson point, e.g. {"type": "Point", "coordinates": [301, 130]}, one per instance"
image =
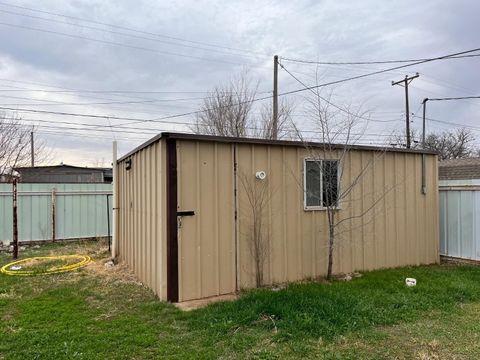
{"type": "Point", "coordinates": [59, 56]}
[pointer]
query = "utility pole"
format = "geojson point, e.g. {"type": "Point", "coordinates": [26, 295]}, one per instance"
{"type": "Point", "coordinates": [406, 82]}
{"type": "Point", "coordinates": [15, 219]}
{"type": "Point", "coordinates": [424, 175]}
{"type": "Point", "coordinates": [275, 98]}
{"type": "Point", "coordinates": [424, 102]}
{"type": "Point", "coordinates": [32, 149]}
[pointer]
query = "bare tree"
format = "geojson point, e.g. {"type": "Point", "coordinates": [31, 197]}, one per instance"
{"type": "Point", "coordinates": [263, 126]}
{"type": "Point", "coordinates": [327, 189]}
{"type": "Point", "coordinates": [229, 111]}
{"type": "Point", "coordinates": [451, 144]}
{"type": "Point", "coordinates": [226, 109]}
{"type": "Point", "coordinates": [258, 198]}
{"type": "Point", "coordinates": [455, 144]}
{"type": "Point", "coordinates": [98, 162]}
{"type": "Point", "coordinates": [15, 150]}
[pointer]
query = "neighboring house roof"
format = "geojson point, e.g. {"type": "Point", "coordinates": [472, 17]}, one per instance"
{"type": "Point", "coordinates": [459, 169]}
{"type": "Point", "coordinates": [64, 173]}
{"type": "Point", "coordinates": [61, 166]}
{"type": "Point", "coordinates": [184, 136]}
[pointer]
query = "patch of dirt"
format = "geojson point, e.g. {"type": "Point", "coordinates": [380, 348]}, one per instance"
{"type": "Point", "coordinates": [117, 273]}
{"type": "Point", "coordinates": [196, 304]}
{"type": "Point", "coordinates": [8, 295]}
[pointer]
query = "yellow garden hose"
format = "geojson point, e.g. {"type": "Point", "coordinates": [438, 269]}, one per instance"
{"type": "Point", "coordinates": [83, 261]}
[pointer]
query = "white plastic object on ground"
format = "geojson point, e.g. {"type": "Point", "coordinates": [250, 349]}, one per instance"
{"type": "Point", "coordinates": [410, 281]}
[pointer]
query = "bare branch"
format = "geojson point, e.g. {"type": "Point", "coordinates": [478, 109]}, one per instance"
{"type": "Point", "coordinates": [15, 145]}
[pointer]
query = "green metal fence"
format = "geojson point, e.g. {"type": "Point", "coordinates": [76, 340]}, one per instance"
{"type": "Point", "coordinates": [80, 211]}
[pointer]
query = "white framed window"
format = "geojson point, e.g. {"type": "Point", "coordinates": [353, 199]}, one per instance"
{"type": "Point", "coordinates": [321, 184]}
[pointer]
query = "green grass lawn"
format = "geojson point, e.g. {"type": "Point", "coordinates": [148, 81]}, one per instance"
{"type": "Point", "coordinates": [92, 314]}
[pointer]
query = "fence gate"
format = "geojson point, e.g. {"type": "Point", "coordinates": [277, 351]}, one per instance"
{"type": "Point", "coordinates": [460, 218]}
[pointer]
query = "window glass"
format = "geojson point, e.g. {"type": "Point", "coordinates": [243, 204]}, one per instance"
{"type": "Point", "coordinates": [329, 183]}
{"type": "Point", "coordinates": [312, 183]}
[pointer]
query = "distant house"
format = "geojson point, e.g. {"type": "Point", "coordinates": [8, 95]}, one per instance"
{"type": "Point", "coordinates": [64, 174]}
{"type": "Point", "coordinates": [459, 169]}
{"type": "Point", "coordinates": [459, 187]}
{"type": "Point", "coordinates": [7, 178]}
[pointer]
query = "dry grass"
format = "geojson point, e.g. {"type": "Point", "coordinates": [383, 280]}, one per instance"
{"type": "Point", "coordinates": [118, 273]}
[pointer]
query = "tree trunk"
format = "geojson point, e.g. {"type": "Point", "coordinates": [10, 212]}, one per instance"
{"type": "Point", "coordinates": [331, 239]}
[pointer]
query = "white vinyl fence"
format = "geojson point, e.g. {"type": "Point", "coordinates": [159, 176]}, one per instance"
{"type": "Point", "coordinates": [81, 211]}
{"type": "Point", "coordinates": [460, 218]}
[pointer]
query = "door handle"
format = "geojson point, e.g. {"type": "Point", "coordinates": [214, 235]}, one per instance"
{"type": "Point", "coordinates": [186, 213]}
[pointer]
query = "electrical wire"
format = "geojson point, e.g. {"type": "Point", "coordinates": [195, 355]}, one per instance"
{"type": "Point", "coordinates": [143, 102]}
{"type": "Point", "coordinates": [123, 27]}
{"type": "Point", "coordinates": [305, 88]}
{"type": "Point", "coordinates": [138, 130]}
{"type": "Point", "coordinates": [369, 62]}
{"type": "Point", "coordinates": [449, 123]}
{"type": "Point", "coordinates": [330, 102]}
{"type": "Point", "coordinates": [443, 57]}
{"type": "Point", "coordinates": [113, 43]}
{"type": "Point", "coordinates": [126, 34]}
{"type": "Point", "coordinates": [454, 98]}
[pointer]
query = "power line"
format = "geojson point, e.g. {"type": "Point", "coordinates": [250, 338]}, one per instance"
{"type": "Point", "coordinates": [450, 123]}
{"type": "Point", "coordinates": [445, 83]}
{"type": "Point", "coordinates": [369, 62]}
{"type": "Point", "coordinates": [125, 34]}
{"type": "Point", "coordinates": [141, 130]}
{"type": "Point", "coordinates": [454, 98]}
{"type": "Point", "coordinates": [382, 71]}
{"type": "Point", "coordinates": [109, 91]}
{"type": "Point", "coordinates": [124, 28]}
{"type": "Point", "coordinates": [329, 102]}
{"type": "Point", "coordinates": [63, 113]}
{"type": "Point", "coordinates": [338, 81]}
{"type": "Point", "coordinates": [81, 95]}
{"type": "Point", "coordinates": [54, 102]}
{"type": "Point", "coordinates": [306, 88]}
{"type": "Point", "coordinates": [131, 139]}
{"type": "Point", "coordinates": [113, 43]}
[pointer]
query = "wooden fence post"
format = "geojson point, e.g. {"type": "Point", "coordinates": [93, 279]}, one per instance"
{"type": "Point", "coordinates": [15, 220]}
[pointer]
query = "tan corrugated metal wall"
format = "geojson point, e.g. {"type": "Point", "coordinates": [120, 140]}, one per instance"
{"type": "Point", "coordinates": [402, 228]}
{"type": "Point", "coordinates": [142, 216]}
{"type": "Point", "coordinates": [214, 255]}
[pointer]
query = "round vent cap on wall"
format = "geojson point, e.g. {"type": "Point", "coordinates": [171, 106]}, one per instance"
{"type": "Point", "coordinates": [261, 175]}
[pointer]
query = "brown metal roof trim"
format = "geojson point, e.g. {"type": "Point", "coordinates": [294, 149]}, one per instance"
{"type": "Point", "coordinates": [227, 139]}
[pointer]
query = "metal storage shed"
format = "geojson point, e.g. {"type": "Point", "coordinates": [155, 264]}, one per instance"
{"type": "Point", "coordinates": [183, 228]}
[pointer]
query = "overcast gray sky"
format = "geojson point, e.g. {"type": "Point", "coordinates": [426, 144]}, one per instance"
{"type": "Point", "coordinates": [144, 60]}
